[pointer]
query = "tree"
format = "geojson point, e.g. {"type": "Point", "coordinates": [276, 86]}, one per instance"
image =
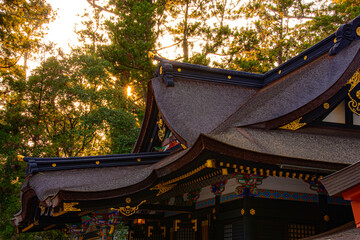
{"type": "Point", "coordinates": [21, 25]}
{"type": "Point", "coordinates": [132, 33]}
{"type": "Point", "coordinates": [199, 28]}
{"type": "Point", "coordinates": [278, 30]}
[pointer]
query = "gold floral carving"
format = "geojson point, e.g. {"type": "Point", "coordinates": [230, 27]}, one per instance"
{"type": "Point", "coordinates": [162, 129]}
{"type": "Point", "coordinates": [294, 125]}
{"type": "Point", "coordinates": [128, 211]}
{"type": "Point", "coordinates": [354, 103]}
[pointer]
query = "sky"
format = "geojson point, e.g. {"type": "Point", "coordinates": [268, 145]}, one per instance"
{"type": "Point", "coordinates": [61, 31]}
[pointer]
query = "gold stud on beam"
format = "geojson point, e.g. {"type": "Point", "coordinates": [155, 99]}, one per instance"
{"type": "Point", "coordinates": [151, 55]}
{"type": "Point", "coordinates": [300, 176]}
{"type": "Point", "coordinates": [326, 105]}
{"type": "Point", "coordinates": [179, 69]}
{"type": "Point", "coordinates": [293, 175]}
{"type": "Point", "coordinates": [97, 162]}
{"type": "Point", "coordinates": [210, 163]}
{"type": "Point", "coordinates": [53, 165]}
{"type": "Point", "coordinates": [224, 171]}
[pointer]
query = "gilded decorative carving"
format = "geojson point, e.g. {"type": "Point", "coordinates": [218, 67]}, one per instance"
{"type": "Point", "coordinates": [162, 128]}
{"type": "Point", "coordinates": [354, 103]}
{"type": "Point", "coordinates": [128, 211]}
{"type": "Point", "coordinates": [163, 188]}
{"type": "Point", "coordinates": [294, 125]}
{"type": "Point", "coordinates": [69, 207]}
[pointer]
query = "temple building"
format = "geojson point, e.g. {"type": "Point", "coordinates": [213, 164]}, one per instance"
{"type": "Point", "coordinates": [221, 155]}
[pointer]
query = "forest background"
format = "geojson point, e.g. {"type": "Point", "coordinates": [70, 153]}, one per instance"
{"type": "Point", "coordinates": [78, 103]}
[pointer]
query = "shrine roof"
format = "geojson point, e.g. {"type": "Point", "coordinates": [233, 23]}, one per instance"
{"type": "Point", "coordinates": [194, 107]}
{"type": "Point", "coordinates": [345, 232]}
{"type": "Point", "coordinates": [196, 100]}
{"type": "Point", "coordinates": [299, 91]}
{"type": "Point", "coordinates": [343, 179]}
{"type": "Point", "coordinates": [311, 144]}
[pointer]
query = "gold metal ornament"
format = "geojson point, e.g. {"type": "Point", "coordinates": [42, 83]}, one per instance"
{"type": "Point", "coordinates": [354, 103]}
{"type": "Point", "coordinates": [69, 207]}
{"type": "Point", "coordinates": [294, 125]}
{"type": "Point", "coordinates": [162, 128]}
{"type": "Point", "coordinates": [163, 188]}
{"type": "Point", "coordinates": [151, 55]}
{"type": "Point", "coordinates": [326, 105]}
{"type": "Point", "coordinates": [358, 31]}
{"type": "Point", "coordinates": [252, 211]}
{"type": "Point", "coordinates": [128, 211]}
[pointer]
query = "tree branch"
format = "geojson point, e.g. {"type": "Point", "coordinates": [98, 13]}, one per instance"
{"type": "Point", "coordinates": [94, 5]}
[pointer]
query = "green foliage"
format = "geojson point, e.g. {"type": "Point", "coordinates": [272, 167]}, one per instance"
{"type": "Point", "coordinates": [131, 36]}
{"type": "Point", "coordinates": [20, 29]}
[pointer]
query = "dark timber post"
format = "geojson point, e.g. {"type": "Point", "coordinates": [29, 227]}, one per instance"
{"type": "Point", "coordinates": [249, 218]}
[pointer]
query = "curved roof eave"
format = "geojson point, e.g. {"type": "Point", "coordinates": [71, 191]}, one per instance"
{"type": "Point", "coordinates": [284, 100]}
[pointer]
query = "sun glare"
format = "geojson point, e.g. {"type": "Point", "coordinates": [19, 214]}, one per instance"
{"type": "Point", "coordinates": [129, 93]}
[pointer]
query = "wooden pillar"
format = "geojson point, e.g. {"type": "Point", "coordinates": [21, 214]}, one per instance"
{"type": "Point", "coordinates": [249, 218]}
{"type": "Point", "coordinates": [218, 226]}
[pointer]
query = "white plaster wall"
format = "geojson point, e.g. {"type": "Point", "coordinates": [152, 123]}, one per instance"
{"type": "Point", "coordinates": [337, 115]}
